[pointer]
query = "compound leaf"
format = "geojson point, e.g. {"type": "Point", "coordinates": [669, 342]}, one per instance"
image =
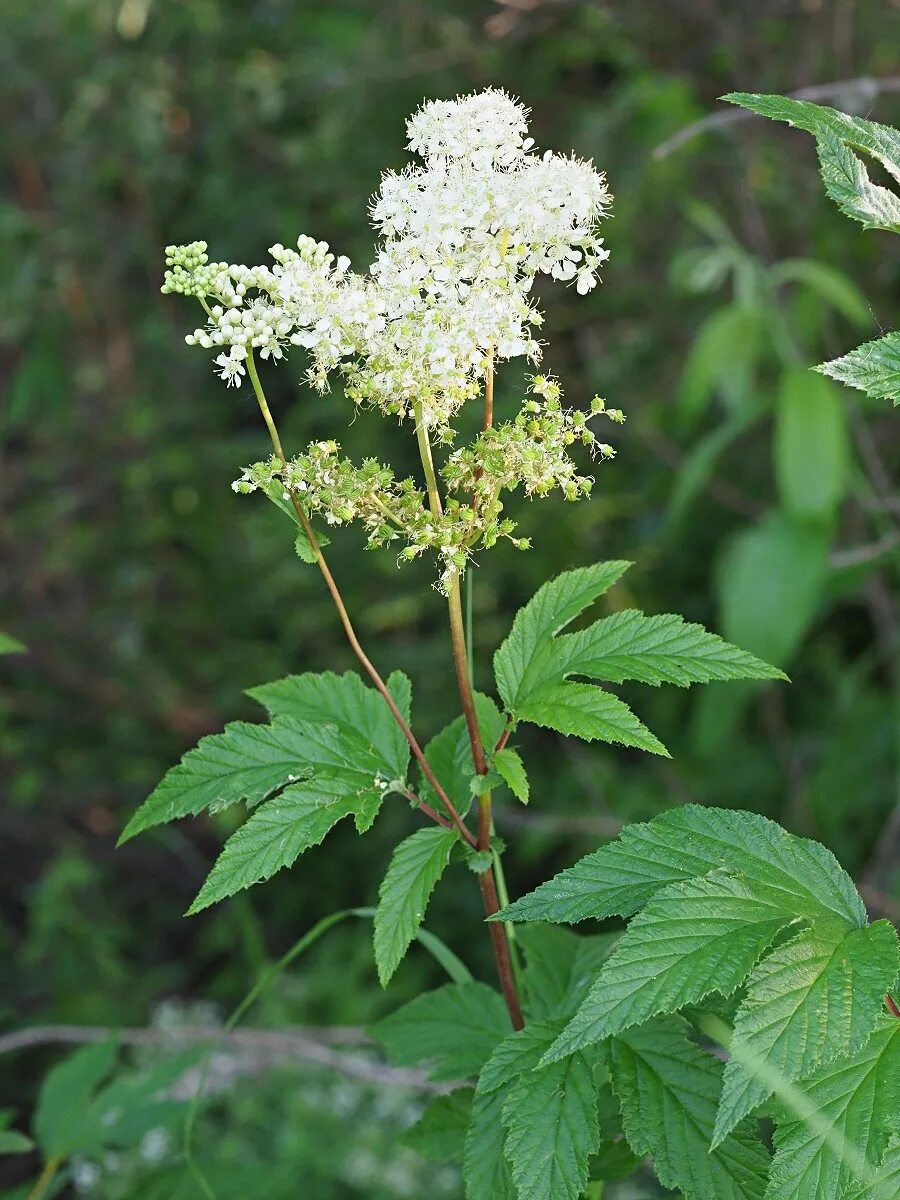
{"type": "Point", "coordinates": [551, 1121]}
{"type": "Point", "coordinates": [282, 829]}
{"type": "Point", "coordinates": [668, 1089]}
{"type": "Point", "coordinates": [417, 864]}
{"type": "Point", "coordinates": [831, 1132]}
{"type": "Point", "coordinates": [694, 937]}
{"type": "Point", "coordinates": [811, 1000]}
{"type": "Point", "coordinates": [551, 608]}
{"type": "Point", "coordinates": [621, 877]}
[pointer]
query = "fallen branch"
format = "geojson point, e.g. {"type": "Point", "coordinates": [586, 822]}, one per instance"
{"type": "Point", "coordinates": [255, 1049]}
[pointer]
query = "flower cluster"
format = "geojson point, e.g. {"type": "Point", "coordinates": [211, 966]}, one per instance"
{"type": "Point", "coordinates": [462, 236]}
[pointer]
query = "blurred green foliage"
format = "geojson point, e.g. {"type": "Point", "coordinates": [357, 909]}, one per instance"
{"type": "Point", "coordinates": [754, 496]}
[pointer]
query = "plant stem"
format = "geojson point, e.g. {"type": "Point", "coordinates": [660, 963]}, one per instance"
{"type": "Point", "coordinates": [486, 879]}
{"type": "Point", "coordinates": [489, 391]}
{"type": "Point", "coordinates": [368, 666]}
{"type": "Point", "coordinates": [46, 1177]}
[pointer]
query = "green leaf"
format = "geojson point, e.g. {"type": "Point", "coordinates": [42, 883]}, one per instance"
{"type": "Point", "coordinates": [560, 967]}
{"type": "Point", "coordinates": [694, 937]}
{"type": "Point", "coordinates": [533, 665]}
{"type": "Point", "coordinates": [722, 360]}
{"type": "Point", "coordinates": [589, 713]}
{"type": "Point", "coordinates": [508, 764]}
{"type": "Point", "coordinates": [13, 1142]}
{"type": "Point", "coordinates": [9, 645]}
{"type": "Point", "coordinates": [449, 753]}
{"type": "Point", "coordinates": [668, 1089]}
{"type": "Point", "coordinates": [440, 1133]}
{"type": "Point", "coordinates": [485, 1170]}
{"type": "Point", "coordinates": [455, 1028]}
{"type": "Point", "coordinates": [345, 701]}
{"type": "Point", "coordinates": [812, 446]}
{"type": "Point", "coordinates": [621, 877]}
{"type": "Point", "coordinates": [769, 580]}
{"type": "Point", "coordinates": [884, 1181]}
{"type": "Point", "coordinates": [834, 1130]}
{"type": "Point", "coordinates": [654, 650]}
{"type": "Point", "coordinates": [813, 999]}
{"type": "Point", "coordinates": [551, 608]}
{"type": "Point", "coordinates": [345, 726]}
{"type": "Point", "coordinates": [551, 1121]}
{"type": "Point", "coordinates": [518, 1054]}
{"type": "Point", "coordinates": [65, 1121]}
{"type": "Point", "coordinates": [417, 864]}
{"type": "Point", "coordinates": [873, 368]}
{"type": "Point", "coordinates": [839, 140]}
{"type": "Point", "coordinates": [282, 829]}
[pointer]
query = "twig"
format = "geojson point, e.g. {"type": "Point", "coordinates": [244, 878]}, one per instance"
{"type": "Point", "coordinates": [856, 556]}
{"type": "Point", "coordinates": [855, 93]}
{"type": "Point", "coordinates": [268, 1048]}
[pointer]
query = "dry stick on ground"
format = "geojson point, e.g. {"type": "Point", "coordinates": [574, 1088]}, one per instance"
{"type": "Point", "coordinates": [254, 1050]}
{"type": "Point", "coordinates": [851, 93]}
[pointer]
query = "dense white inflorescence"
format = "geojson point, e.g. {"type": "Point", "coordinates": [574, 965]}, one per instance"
{"type": "Point", "coordinates": [463, 235]}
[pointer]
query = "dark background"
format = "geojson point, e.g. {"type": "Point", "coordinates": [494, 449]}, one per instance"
{"type": "Point", "coordinates": [150, 596]}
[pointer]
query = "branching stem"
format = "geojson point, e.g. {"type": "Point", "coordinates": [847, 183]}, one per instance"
{"type": "Point", "coordinates": [486, 880]}
{"type": "Point", "coordinates": [355, 645]}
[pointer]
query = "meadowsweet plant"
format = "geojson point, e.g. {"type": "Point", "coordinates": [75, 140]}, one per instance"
{"type": "Point", "coordinates": [748, 981]}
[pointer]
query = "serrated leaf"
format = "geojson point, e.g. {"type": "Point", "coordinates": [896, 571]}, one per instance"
{"type": "Point", "coordinates": [873, 367]}
{"type": "Point", "coordinates": [440, 1133]}
{"type": "Point", "coordinates": [508, 764]}
{"type": "Point", "coordinates": [668, 1089]}
{"type": "Point", "coordinates": [519, 1053]}
{"type": "Point", "coordinates": [836, 1136]}
{"type": "Point", "coordinates": [589, 713]}
{"type": "Point", "coordinates": [551, 1121]}
{"type": "Point", "coordinates": [449, 753]}
{"type": "Point", "coordinates": [884, 1181]}
{"type": "Point", "coordinates": [13, 1142]}
{"type": "Point", "coordinates": [345, 701]}
{"type": "Point", "coordinates": [486, 1172]}
{"type": "Point", "coordinates": [839, 139]}
{"type": "Point", "coordinates": [694, 937]}
{"type": "Point", "coordinates": [551, 608]}
{"type": "Point", "coordinates": [621, 877]}
{"type": "Point", "coordinates": [811, 1000]}
{"type": "Point", "coordinates": [811, 446]}
{"type": "Point", "coordinates": [65, 1121]}
{"type": "Point", "coordinates": [664, 649]}
{"type": "Point", "coordinates": [560, 967]}
{"type": "Point", "coordinates": [534, 665]}
{"type": "Point", "coordinates": [455, 1028]}
{"type": "Point", "coordinates": [279, 831]}
{"type": "Point", "coordinates": [416, 866]}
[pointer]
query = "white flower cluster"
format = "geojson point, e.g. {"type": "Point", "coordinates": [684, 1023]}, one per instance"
{"type": "Point", "coordinates": [462, 238]}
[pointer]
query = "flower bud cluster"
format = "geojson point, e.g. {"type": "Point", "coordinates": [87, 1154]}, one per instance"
{"type": "Point", "coordinates": [532, 451]}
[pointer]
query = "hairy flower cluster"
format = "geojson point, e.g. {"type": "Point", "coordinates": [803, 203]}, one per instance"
{"type": "Point", "coordinates": [462, 236]}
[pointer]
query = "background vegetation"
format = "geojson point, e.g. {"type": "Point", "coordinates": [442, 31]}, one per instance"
{"type": "Point", "coordinates": [754, 496]}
